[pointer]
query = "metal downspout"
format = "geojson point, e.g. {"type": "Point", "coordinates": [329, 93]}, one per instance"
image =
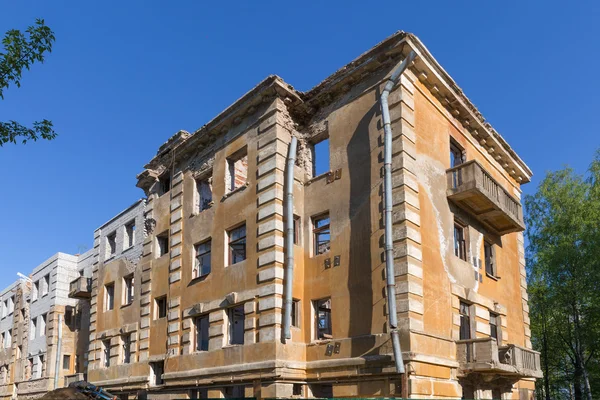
{"type": "Point", "coordinates": [389, 242]}
{"type": "Point", "coordinates": [58, 350]}
{"type": "Point", "coordinates": [289, 239]}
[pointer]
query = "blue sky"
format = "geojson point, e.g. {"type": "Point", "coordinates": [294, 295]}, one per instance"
{"type": "Point", "coordinates": [125, 76]}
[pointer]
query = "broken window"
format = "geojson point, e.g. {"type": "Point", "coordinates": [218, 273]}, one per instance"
{"type": "Point", "coordinates": [162, 244]}
{"type": "Point", "coordinates": [109, 297]}
{"type": "Point", "coordinates": [237, 170]}
{"type": "Point", "coordinates": [126, 348]}
{"type": "Point", "coordinates": [160, 307]}
{"type": "Point", "coordinates": [320, 153]}
{"type": "Point", "coordinates": [490, 258]}
{"type": "Point", "coordinates": [202, 261]}
{"type": "Point", "coordinates": [129, 234]}
{"type": "Point", "coordinates": [460, 243]}
{"type": "Point", "coordinates": [111, 243]}
{"type": "Point", "coordinates": [236, 324]}
{"type": "Point", "coordinates": [201, 325]}
{"type": "Point", "coordinates": [204, 189]}
{"type": "Point", "coordinates": [164, 184]}
{"type": "Point", "coordinates": [237, 244]}
{"type": "Point", "coordinates": [158, 369]}
{"type": "Point", "coordinates": [323, 319]}
{"type": "Point", "coordinates": [321, 232]}
{"type": "Point", "coordinates": [106, 353]}
{"type": "Point", "coordinates": [457, 157]}
{"type": "Point", "coordinates": [465, 321]}
{"type": "Point", "coordinates": [128, 289]}
{"type": "Point", "coordinates": [494, 325]}
{"type": "Point", "coordinates": [42, 324]}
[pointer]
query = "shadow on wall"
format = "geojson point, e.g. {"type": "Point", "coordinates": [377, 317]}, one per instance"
{"type": "Point", "coordinates": [359, 263]}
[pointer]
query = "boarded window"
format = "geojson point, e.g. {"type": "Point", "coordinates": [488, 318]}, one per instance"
{"type": "Point", "coordinates": [237, 244]}
{"type": "Point", "coordinates": [465, 321]}
{"type": "Point", "coordinates": [323, 319]}
{"type": "Point", "coordinates": [201, 338]}
{"type": "Point", "coordinates": [109, 296]}
{"type": "Point", "coordinates": [202, 259]}
{"type": "Point", "coordinates": [321, 233]}
{"type": "Point", "coordinates": [236, 324]}
{"type": "Point", "coordinates": [460, 243]}
{"type": "Point", "coordinates": [237, 170]}
{"type": "Point", "coordinates": [204, 188]}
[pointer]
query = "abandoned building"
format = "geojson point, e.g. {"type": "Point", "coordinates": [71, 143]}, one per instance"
{"type": "Point", "coordinates": [363, 238]}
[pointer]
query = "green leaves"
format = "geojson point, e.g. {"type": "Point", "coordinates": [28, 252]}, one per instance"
{"type": "Point", "coordinates": [20, 51]}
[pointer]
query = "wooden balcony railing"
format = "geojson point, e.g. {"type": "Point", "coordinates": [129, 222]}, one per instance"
{"type": "Point", "coordinates": [473, 189]}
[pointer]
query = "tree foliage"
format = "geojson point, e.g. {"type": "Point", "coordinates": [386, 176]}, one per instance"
{"type": "Point", "coordinates": [563, 220]}
{"type": "Point", "coordinates": [20, 51]}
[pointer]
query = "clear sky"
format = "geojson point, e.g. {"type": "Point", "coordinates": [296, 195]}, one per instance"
{"type": "Point", "coordinates": [124, 76]}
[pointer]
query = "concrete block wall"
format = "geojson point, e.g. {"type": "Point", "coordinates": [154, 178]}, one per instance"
{"type": "Point", "coordinates": [135, 213]}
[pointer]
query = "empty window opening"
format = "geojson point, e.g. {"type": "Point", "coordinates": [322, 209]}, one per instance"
{"type": "Point", "coordinates": [460, 242]}
{"type": "Point", "coordinates": [237, 244]}
{"type": "Point", "coordinates": [129, 234]}
{"type": "Point", "coordinates": [35, 291]}
{"type": "Point", "coordinates": [295, 313]}
{"type": "Point", "coordinates": [162, 244]}
{"type": "Point", "coordinates": [160, 307]}
{"type": "Point", "coordinates": [202, 260]}
{"type": "Point", "coordinates": [297, 230]}
{"type": "Point", "coordinates": [126, 349]}
{"type": "Point", "coordinates": [465, 321]}
{"type": "Point", "coordinates": [11, 305]}
{"type": "Point", "coordinates": [494, 325]}
{"type": "Point", "coordinates": [8, 339]}
{"type": "Point", "coordinates": [321, 157]}
{"type": "Point", "coordinates": [32, 328]}
{"type": "Point", "coordinates": [322, 390]}
{"type": "Point", "coordinates": [236, 324]}
{"type": "Point", "coordinates": [197, 394]}
{"type": "Point", "coordinates": [237, 170]}
{"type": "Point", "coordinates": [164, 184]}
{"type": "Point", "coordinates": [106, 353]}
{"type": "Point", "coordinates": [321, 233]}
{"type": "Point", "coordinates": [45, 285]}
{"type": "Point", "coordinates": [201, 325]}
{"type": "Point", "coordinates": [67, 362]}
{"type": "Point", "coordinates": [111, 243]}
{"type": "Point", "coordinates": [158, 369]}
{"type": "Point", "coordinates": [128, 289]}
{"type": "Point", "coordinates": [234, 392]}
{"type": "Point", "coordinates": [204, 189]}
{"type": "Point", "coordinates": [109, 296]}
{"type": "Point", "coordinates": [298, 389]}
{"type": "Point", "coordinates": [323, 319]}
{"type": "Point", "coordinates": [490, 258]}
{"type": "Point", "coordinates": [42, 324]}
{"type": "Point", "coordinates": [457, 157]}
{"type": "Point", "coordinates": [40, 366]}
{"type": "Point", "coordinates": [4, 308]}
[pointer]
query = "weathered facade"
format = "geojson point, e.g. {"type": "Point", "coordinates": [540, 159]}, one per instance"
{"type": "Point", "coordinates": [182, 295]}
{"type": "Point", "coordinates": [206, 318]}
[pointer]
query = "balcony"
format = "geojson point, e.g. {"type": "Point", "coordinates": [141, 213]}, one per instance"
{"type": "Point", "coordinates": [474, 190]}
{"type": "Point", "coordinates": [485, 356]}
{"type": "Point", "coordinates": [81, 288]}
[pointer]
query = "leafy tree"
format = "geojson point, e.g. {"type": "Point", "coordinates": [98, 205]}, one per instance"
{"type": "Point", "coordinates": [563, 220]}
{"type": "Point", "coordinates": [19, 52]}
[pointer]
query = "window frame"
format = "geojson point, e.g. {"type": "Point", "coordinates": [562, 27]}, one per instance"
{"type": "Point", "coordinates": [109, 296]}
{"type": "Point", "coordinates": [203, 204]}
{"type": "Point", "coordinates": [318, 335]}
{"type": "Point", "coordinates": [494, 328]}
{"type": "Point", "coordinates": [162, 244]}
{"type": "Point", "coordinates": [490, 266]}
{"type": "Point", "coordinates": [230, 182]}
{"type": "Point", "coordinates": [297, 225]}
{"type": "Point", "coordinates": [106, 353]}
{"type": "Point", "coordinates": [128, 289]}
{"type": "Point", "coordinates": [232, 339]}
{"type": "Point", "coordinates": [129, 234]}
{"type": "Point", "coordinates": [199, 334]}
{"type": "Point", "coordinates": [66, 357]}
{"type": "Point", "coordinates": [158, 309]}
{"type": "Point", "coordinates": [126, 348]}
{"type": "Point", "coordinates": [461, 245]}
{"type": "Point", "coordinates": [317, 231]}
{"type": "Point", "coordinates": [296, 314]}
{"type": "Point", "coordinates": [197, 270]}
{"type": "Point", "coordinates": [464, 310]}
{"type": "Point", "coordinates": [239, 240]}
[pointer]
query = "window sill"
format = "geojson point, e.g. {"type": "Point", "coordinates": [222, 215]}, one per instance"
{"type": "Point", "coordinates": [234, 191]}
{"type": "Point", "coordinates": [126, 305]}
{"type": "Point", "coordinates": [320, 342]}
{"type": "Point", "coordinates": [198, 212]}
{"type": "Point", "coordinates": [127, 249]}
{"type": "Point", "coordinates": [200, 278]}
{"type": "Point", "coordinates": [317, 178]}
{"type": "Point", "coordinates": [496, 278]}
{"type": "Point", "coordinates": [110, 258]}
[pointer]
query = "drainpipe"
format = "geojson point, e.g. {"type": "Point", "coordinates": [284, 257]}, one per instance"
{"type": "Point", "coordinates": [389, 242]}
{"type": "Point", "coordinates": [289, 239]}
{"type": "Point", "coordinates": [58, 350]}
